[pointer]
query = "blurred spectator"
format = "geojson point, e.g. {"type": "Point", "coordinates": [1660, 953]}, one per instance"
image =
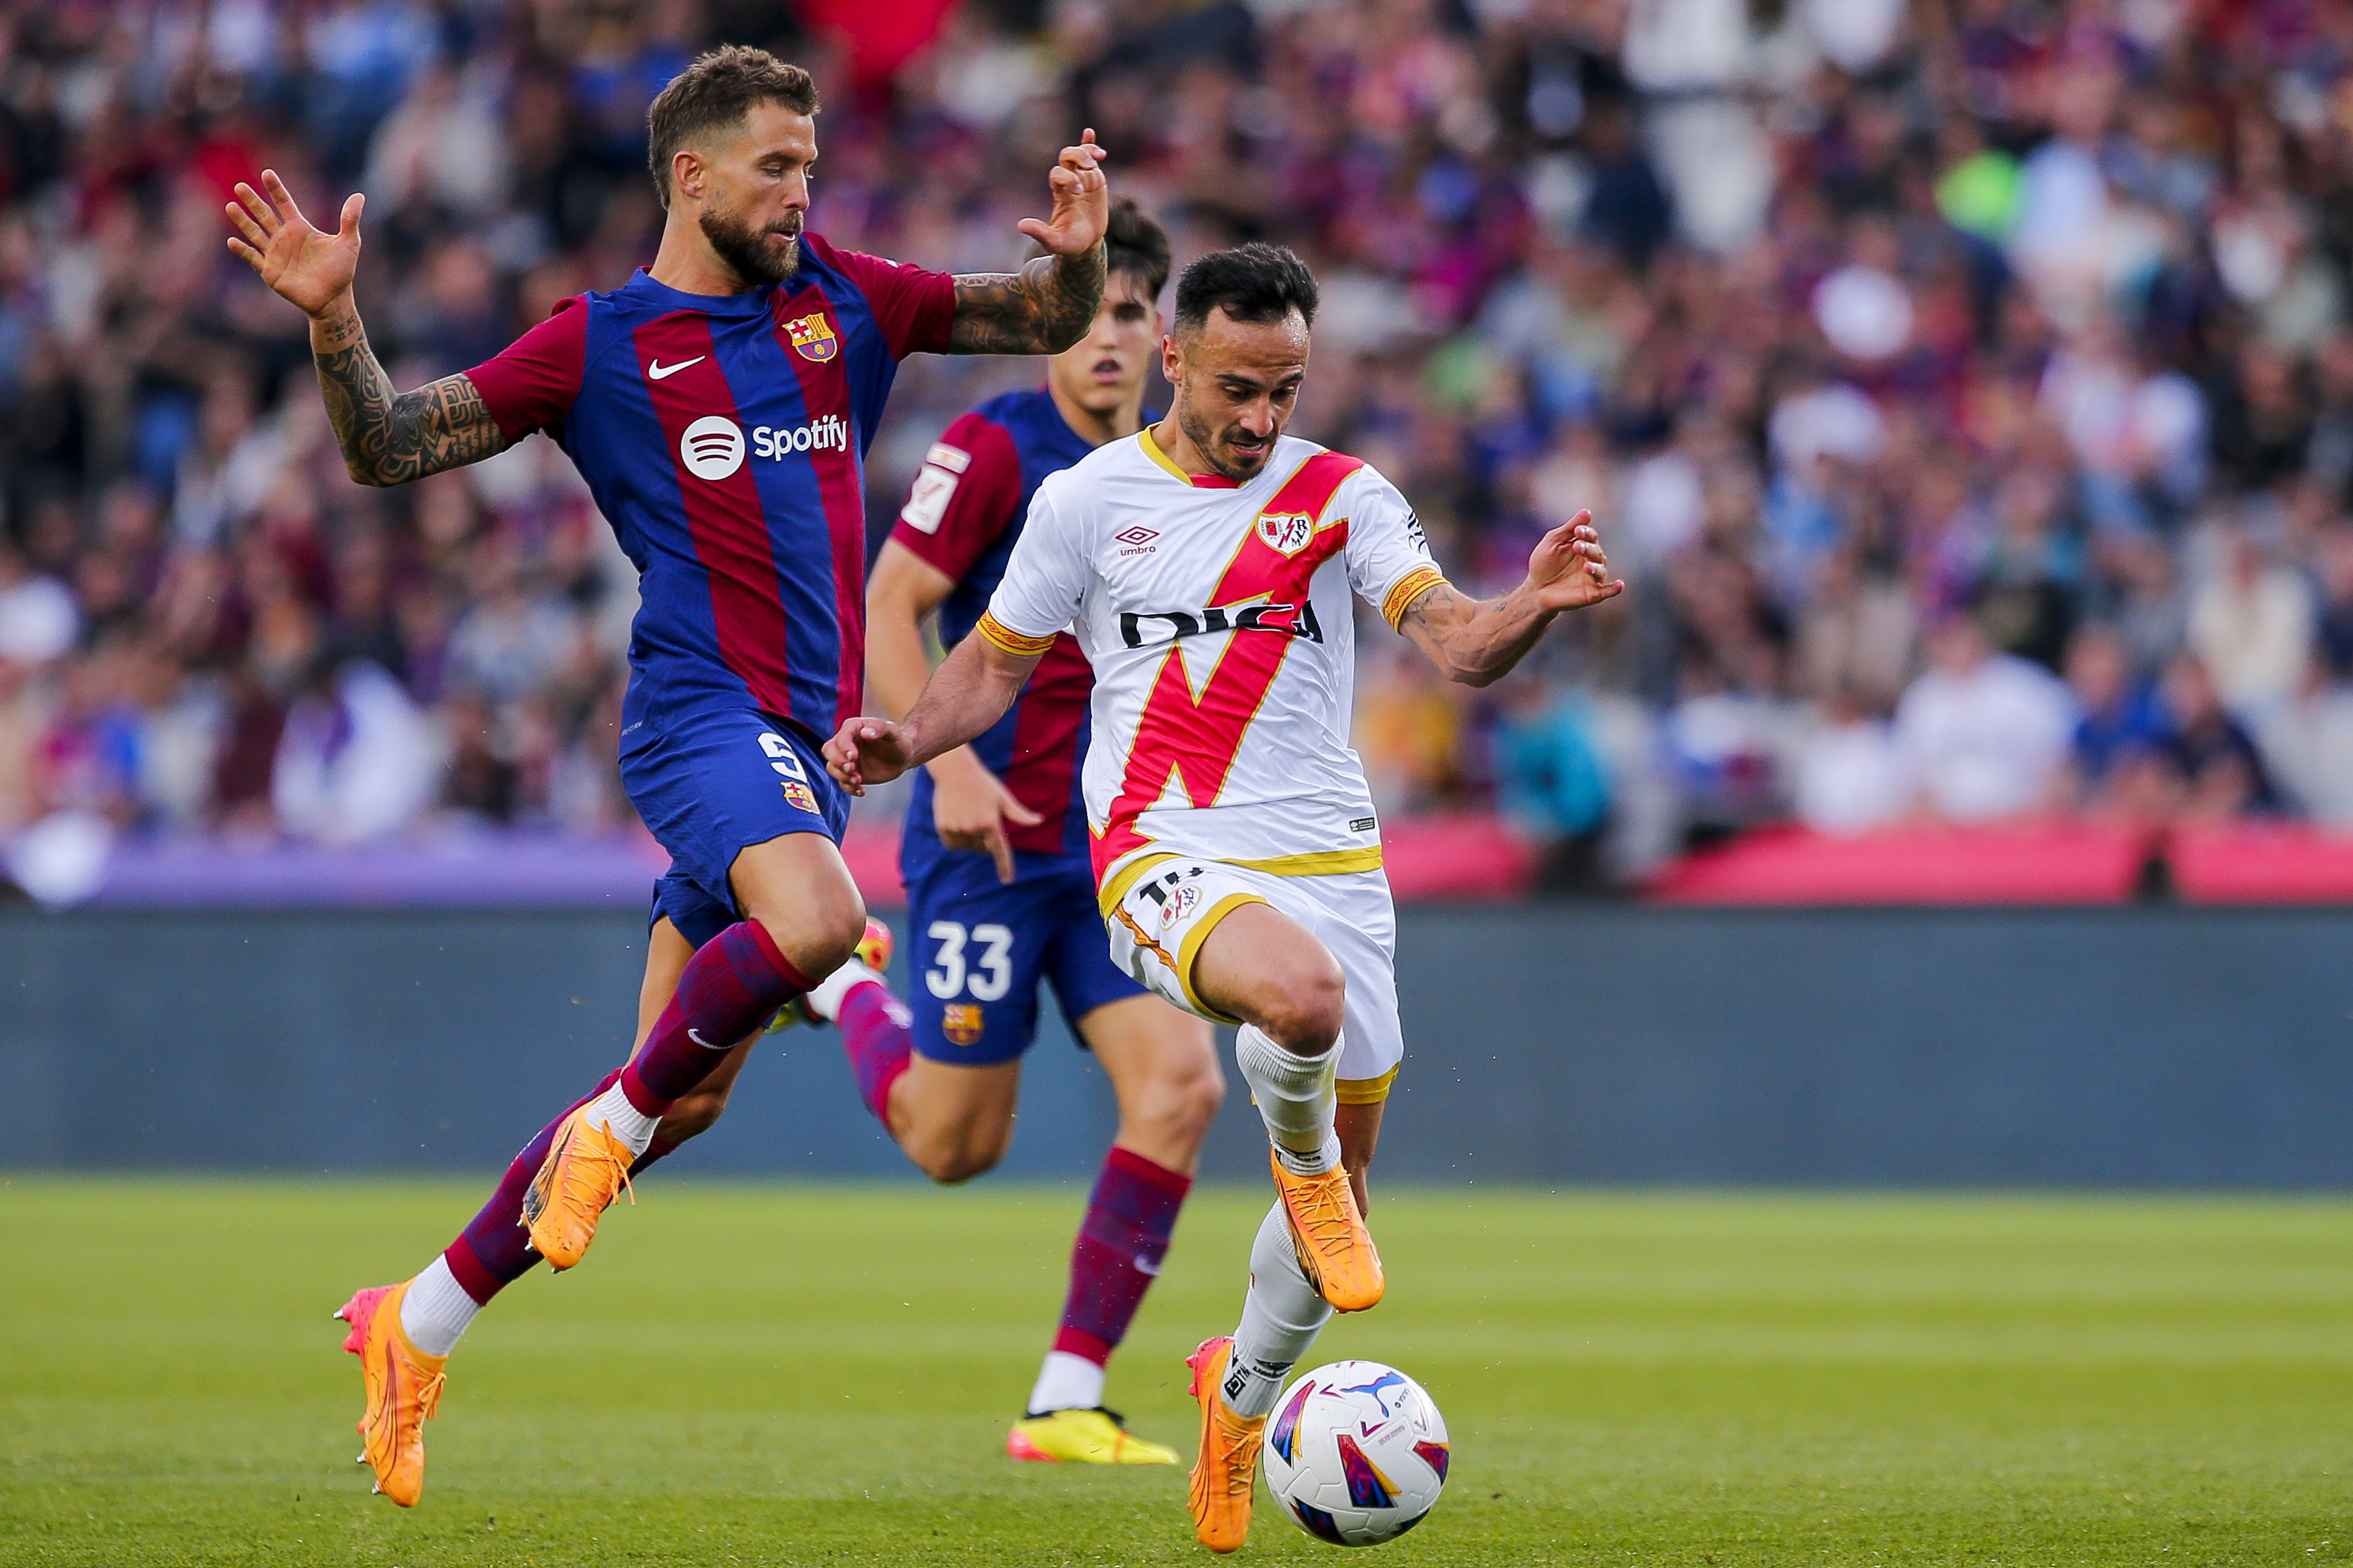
{"type": "Point", "coordinates": [38, 621]}
{"type": "Point", "coordinates": [2122, 728]}
{"type": "Point", "coordinates": [354, 759]}
{"type": "Point", "coordinates": [2214, 764]}
{"type": "Point", "coordinates": [1983, 735]}
{"type": "Point", "coordinates": [1553, 782]}
{"type": "Point", "coordinates": [1853, 775]}
{"type": "Point", "coordinates": [2251, 625]}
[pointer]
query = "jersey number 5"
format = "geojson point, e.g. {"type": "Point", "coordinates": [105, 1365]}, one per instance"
{"type": "Point", "coordinates": [987, 978]}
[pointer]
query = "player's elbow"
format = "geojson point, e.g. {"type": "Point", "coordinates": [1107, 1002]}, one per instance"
{"type": "Point", "coordinates": [1471, 675]}
{"type": "Point", "coordinates": [365, 473]}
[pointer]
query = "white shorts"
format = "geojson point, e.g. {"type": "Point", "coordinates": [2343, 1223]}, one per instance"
{"type": "Point", "coordinates": [1158, 924]}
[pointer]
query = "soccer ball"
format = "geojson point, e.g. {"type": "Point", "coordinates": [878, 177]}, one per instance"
{"type": "Point", "coordinates": [1356, 1453]}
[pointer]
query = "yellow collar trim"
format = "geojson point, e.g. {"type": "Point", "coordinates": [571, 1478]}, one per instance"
{"type": "Point", "coordinates": [1151, 450]}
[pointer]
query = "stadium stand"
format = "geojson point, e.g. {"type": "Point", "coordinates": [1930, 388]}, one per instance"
{"type": "Point", "coordinates": [1966, 390]}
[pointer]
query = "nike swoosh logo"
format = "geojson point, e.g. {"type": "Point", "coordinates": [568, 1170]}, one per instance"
{"type": "Point", "coordinates": [661, 371]}
{"type": "Point", "coordinates": [1145, 1265]}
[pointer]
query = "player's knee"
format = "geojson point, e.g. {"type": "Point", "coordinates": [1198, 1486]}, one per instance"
{"type": "Point", "coordinates": [1175, 1108]}
{"type": "Point", "coordinates": [951, 1164]}
{"type": "Point", "coordinates": [1305, 1014]}
{"type": "Point", "coordinates": [1189, 1104]}
{"type": "Point", "coordinates": [821, 935]}
{"type": "Point", "coordinates": [691, 1115]}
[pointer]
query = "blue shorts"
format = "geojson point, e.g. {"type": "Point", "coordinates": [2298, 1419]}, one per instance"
{"type": "Point", "coordinates": [710, 782]}
{"type": "Point", "coordinates": [980, 947]}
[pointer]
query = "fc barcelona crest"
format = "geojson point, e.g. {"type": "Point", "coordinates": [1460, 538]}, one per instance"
{"type": "Point", "coordinates": [813, 338]}
{"type": "Point", "coordinates": [961, 1023]}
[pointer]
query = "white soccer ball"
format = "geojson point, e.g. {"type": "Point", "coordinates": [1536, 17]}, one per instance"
{"type": "Point", "coordinates": [1355, 1453]}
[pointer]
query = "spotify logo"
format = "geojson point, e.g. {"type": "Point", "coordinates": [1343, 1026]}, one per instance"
{"type": "Point", "coordinates": [712, 448]}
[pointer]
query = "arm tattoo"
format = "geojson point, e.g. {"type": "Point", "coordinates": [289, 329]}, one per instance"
{"type": "Point", "coordinates": [1042, 310]}
{"type": "Point", "coordinates": [1430, 600]}
{"type": "Point", "coordinates": [391, 437]}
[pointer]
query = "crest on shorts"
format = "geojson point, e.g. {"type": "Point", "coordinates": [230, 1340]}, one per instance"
{"type": "Point", "coordinates": [961, 1022]}
{"type": "Point", "coordinates": [813, 338]}
{"type": "Point", "coordinates": [1182, 900]}
{"type": "Point", "coordinates": [1287, 532]}
{"type": "Point", "coordinates": [797, 793]}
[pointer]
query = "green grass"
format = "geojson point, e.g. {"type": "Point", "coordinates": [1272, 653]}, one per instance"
{"type": "Point", "coordinates": [817, 1374]}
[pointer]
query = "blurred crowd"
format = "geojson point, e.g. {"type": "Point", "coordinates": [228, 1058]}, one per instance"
{"type": "Point", "coordinates": [1965, 387]}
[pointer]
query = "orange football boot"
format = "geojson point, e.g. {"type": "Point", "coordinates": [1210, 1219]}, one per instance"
{"type": "Point", "coordinates": [585, 1170]}
{"type": "Point", "coordinates": [1226, 1470]}
{"type": "Point", "coordinates": [1335, 1251]}
{"type": "Point", "coordinates": [873, 949]}
{"type": "Point", "coordinates": [403, 1390]}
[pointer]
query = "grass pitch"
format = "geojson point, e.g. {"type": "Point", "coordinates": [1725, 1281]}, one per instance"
{"type": "Point", "coordinates": [817, 1374]}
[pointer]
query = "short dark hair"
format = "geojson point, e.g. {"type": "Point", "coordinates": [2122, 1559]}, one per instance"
{"type": "Point", "coordinates": [1254, 282]}
{"type": "Point", "coordinates": [1135, 244]}
{"type": "Point", "coordinates": [718, 89]}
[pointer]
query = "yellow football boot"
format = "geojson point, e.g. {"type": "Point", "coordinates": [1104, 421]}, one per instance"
{"type": "Point", "coordinates": [1219, 1499]}
{"type": "Point", "coordinates": [1335, 1251]}
{"type": "Point", "coordinates": [1097, 1437]}
{"type": "Point", "coordinates": [873, 949]}
{"type": "Point", "coordinates": [585, 1170]}
{"type": "Point", "coordinates": [403, 1390]}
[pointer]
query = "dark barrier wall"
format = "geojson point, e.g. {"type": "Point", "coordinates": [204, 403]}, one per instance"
{"type": "Point", "coordinates": [2128, 1047]}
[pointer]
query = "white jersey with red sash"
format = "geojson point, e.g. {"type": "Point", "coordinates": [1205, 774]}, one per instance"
{"type": "Point", "coordinates": [1219, 621]}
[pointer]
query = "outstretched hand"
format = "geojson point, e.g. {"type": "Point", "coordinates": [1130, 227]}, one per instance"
{"type": "Point", "coordinates": [1567, 571]}
{"type": "Point", "coordinates": [865, 751]}
{"type": "Point", "coordinates": [1081, 202]}
{"type": "Point", "coordinates": [305, 266]}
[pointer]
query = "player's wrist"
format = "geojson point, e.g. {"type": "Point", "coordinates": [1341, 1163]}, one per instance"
{"type": "Point", "coordinates": [338, 318]}
{"type": "Point", "coordinates": [957, 767]}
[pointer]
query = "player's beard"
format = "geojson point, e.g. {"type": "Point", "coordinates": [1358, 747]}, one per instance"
{"type": "Point", "coordinates": [750, 251]}
{"type": "Point", "coordinates": [1210, 442]}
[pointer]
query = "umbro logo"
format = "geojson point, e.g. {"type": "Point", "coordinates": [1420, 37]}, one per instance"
{"type": "Point", "coordinates": [658, 370]}
{"type": "Point", "coordinates": [1138, 540]}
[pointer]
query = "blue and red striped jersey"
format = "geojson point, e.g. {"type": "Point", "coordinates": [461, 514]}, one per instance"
{"type": "Point", "coordinates": [724, 439]}
{"type": "Point", "coordinates": [965, 510]}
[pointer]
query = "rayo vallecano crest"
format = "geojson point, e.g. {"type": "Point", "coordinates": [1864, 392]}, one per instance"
{"type": "Point", "coordinates": [1287, 532]}
{"type": "Point", "coordinates": [813, 337]}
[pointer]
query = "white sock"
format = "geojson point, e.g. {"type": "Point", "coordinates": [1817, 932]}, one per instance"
{"type": "Point", "coordinates": [1281, 1318]}
{"type": "Point", "coordinates": [1310, 1162]}
{"type": "Point", "coordinates": [1066, 1382]}
{"type": "Point", "coordinates": [435, 1310]}
{"type": "Point", "coordinates": [824, 999]}
{"type": "Point", "coordinates": [623, 1121]}
{"type": "Point", "coordinates": [1294, 1098]}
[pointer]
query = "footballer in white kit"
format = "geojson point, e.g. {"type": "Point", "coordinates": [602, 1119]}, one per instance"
{"type": "Point", "coordinates": [1209, 566]}
{"type": "Point", "coordinates": [1218, 620]}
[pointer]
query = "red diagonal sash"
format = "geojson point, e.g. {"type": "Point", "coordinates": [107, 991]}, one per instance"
{"type": "Point", "coordinates": [1195, 737]}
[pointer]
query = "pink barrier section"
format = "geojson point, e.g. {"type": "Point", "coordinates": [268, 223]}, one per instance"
{"type": "Point", "coordinates": [2031, 863]}
{"type": "Point", "coordinates": [2262, 863]}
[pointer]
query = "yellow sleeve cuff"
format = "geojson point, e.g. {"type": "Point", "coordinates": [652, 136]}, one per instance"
{"type": "Point", "coordinates": [1409, 588]}
{"type": "Point", "coordinates": [1011, 641]}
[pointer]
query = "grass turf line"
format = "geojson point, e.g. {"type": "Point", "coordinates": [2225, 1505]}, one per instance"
{"type": "Point", "coordinates": [819, 1374]}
